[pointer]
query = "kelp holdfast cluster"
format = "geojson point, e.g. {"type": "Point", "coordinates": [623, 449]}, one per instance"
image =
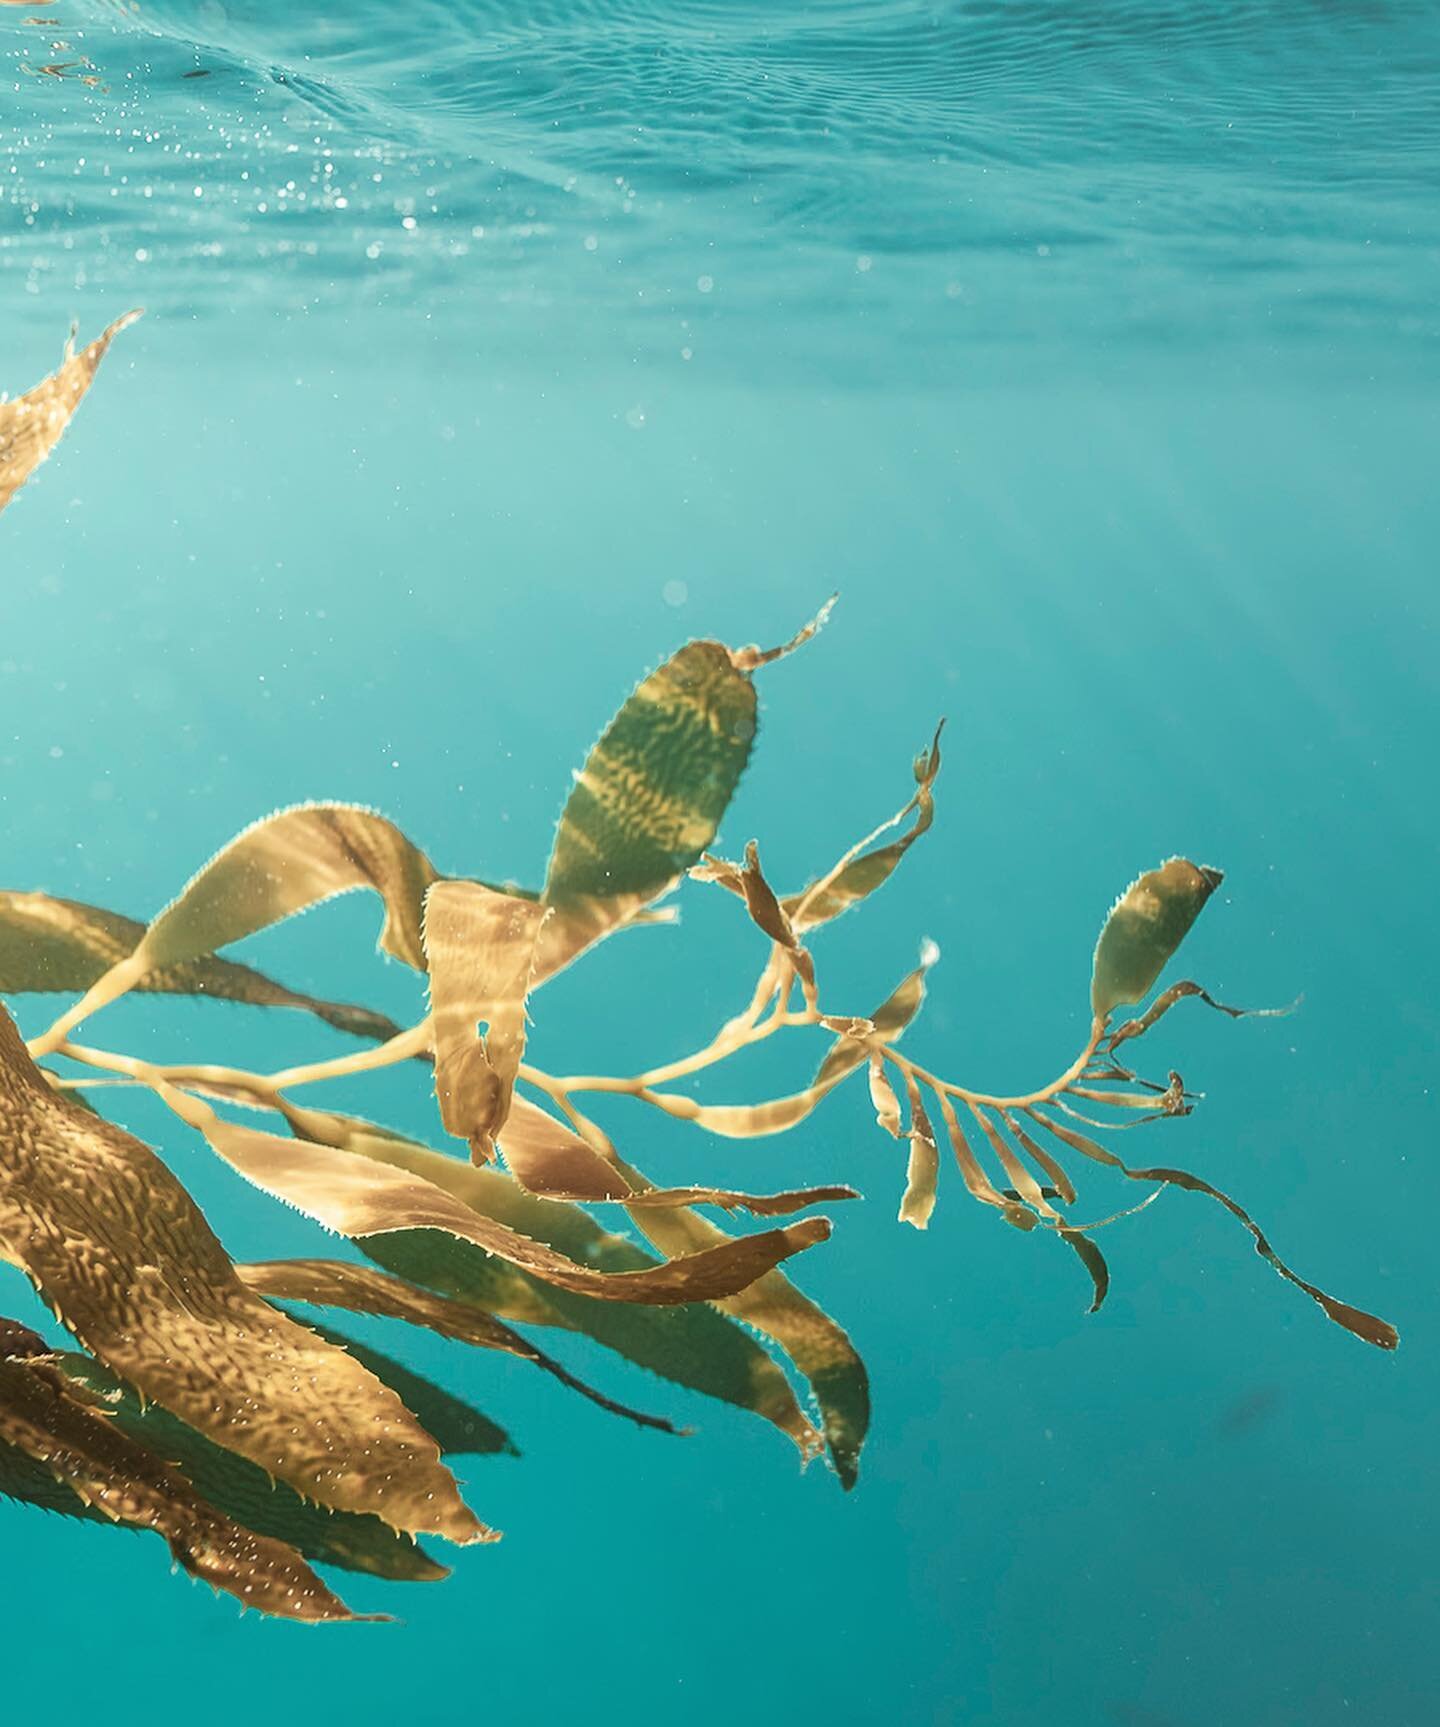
{"type": "Point", "coordinates": [198, 1406]}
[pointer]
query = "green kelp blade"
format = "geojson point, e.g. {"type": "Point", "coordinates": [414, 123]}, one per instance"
{"type": "Point", "coordinates": [1093, 1260]}
{"type": "Point", "coordinates": [822, 1353]}
{"type": "Point", "coordinates": [49, 944]}
{"type": "Point", "coordinates": [362, 1289]}
{"type": "Point", "coordinates": [651, 794]}
{"type": "Point", "coordinates": [110, 1472]}
{"type": "Point", "coordinates": [818, 1348]}
{"type": "Point", "coordinates": [694, 1346]}
{"type": "Point", "coordinates": [1366, 1326]}
{"type": "Point", "coordinates": [1146, 925]}
{"type": "Point", "coordinates": [246, 1493]}
{"type": "Point", "coordinates": [124, 1256]}
{"type": "Point", "coordinates": [31, 425]}
{"type": "Point", "coordinates": [457, 1427]}
{"type": "Point", "coordinates": [703, 1355]}
{"type": "Point", "coordinates": [650, 797]}
{"type": "Point", "coordinates": [286, 863]}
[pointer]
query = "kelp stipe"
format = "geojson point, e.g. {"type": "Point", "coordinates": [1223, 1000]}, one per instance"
{"type": "Point", "coordinates": [192, 1361]}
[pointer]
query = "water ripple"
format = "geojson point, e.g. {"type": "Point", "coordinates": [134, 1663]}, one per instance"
{"type": "Point", "coordinates": [667, 175]}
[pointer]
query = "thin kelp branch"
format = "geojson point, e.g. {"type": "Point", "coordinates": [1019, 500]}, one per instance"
{"type": "Point", "coordinates": [1184, 991]}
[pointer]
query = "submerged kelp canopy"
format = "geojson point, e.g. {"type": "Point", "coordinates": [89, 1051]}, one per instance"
{"type": "Point", "coordinates": [201, 1408]}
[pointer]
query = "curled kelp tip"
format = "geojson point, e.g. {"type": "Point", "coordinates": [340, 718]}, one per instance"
{"type": "Point", "coordinates": [750, 659]}
{"type": "Point", "coordinates": [32, 425]}
{"type": "Point", "coordinates": [1184, 991]}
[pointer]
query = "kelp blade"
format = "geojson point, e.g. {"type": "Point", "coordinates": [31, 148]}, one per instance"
{"type": "Point", "coordinates": [32, 424]}
{"type": "Point", "coordinates": [551, 1161]}
{"type": "Point", "coordinates": [857, 877]}
{"type": "Point", "coordinates": [109, 1471]}
{"type": "Point", "coordinates": [286, 863]}
{"type": "Point", "coordinates": [649, 799]}
{"type": "Point", "coordinates": [651, 794]}
{"type": "Point", "coordinates": [820, 1350]}
{"type": "Point", "coordinates": [720, 1361]}
{"type": "Point", "coordinates": [120, 1250]}
{"type": "Point", "coordinates": [362, 1289]}
{"type": "Point", "coordinates": [246, 1493]}
{"type": "Point", "coordinates": [695, 1346]}
{"type": "Point", "coordinates": [1366, 1326]}
{"type": "Point", "coordinates": [480, 951]}
{"type": "Point", "coordinates": [889, 1020]}
{"type": "Point", "coordinates": [49, 944]}
{"type": "Point", "coordinates": [357, 1196]}
{"type": "Point", "coordinates": [1146, 925]}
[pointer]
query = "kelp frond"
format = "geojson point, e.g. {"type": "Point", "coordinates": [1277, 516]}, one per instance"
{"type": "Point", "coordinates": [189, 1358]}
{"type": "Point", "coordinates": [31, 425]}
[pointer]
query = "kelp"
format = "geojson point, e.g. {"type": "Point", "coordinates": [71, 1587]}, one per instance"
{"type": "Point", "coordinates": [126, 1259]}
{"type": "Point", "coordinates": [480, 953]}
{"type": "Point", "coordinates": [198, 1386]}
{"type": "Point", "coordinates": [41, 1417]}
{"type": "Point", "coordinates": [49, 945]}
{"type": "Point", "coordinates": [31, 425]}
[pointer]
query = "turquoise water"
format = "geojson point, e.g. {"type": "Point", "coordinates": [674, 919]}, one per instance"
{"type": "Point", "coordinates": [491, 352]}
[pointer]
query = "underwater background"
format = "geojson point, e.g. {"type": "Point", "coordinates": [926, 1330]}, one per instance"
{"type": "Point", "coordinates": [1090, 351]}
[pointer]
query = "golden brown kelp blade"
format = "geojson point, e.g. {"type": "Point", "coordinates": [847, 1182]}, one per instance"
{"type": "Point", "coordinates": [1146, 925]}
{"type": "Point", "coordinates": [32, 425]}
{"type": "Point", "coordinates": [820, 1350]}
{"type": "Point", "coordinates": [480, 948]}
{"type": "Point", "coordinates": [125, 1257]}
{"type": "Point", "coordinates": [49, 944]}
{"type": "Point", "coordinates": [696, 1346]}
{"type": "Point", "coordinates": [362, 1289]}
{"type": "Point", "coordinates": [817, 1346]}
{"type": "Point", "coordinates": [279, 866]}
{"type": "Point", "coordinates": [245, 1492]}
{"type": "Point", "coordinates": [357, 1196]}
{"type": "Point", "coordinates": [923, 1171]}
{"type": "Point", "coordinates": [1352, 1319]}
{"type": "Point", "coordinates": [890, 1019]}
{"type": "Point", "coordinates": [550, 1160]}
{"type": "Point", "coordinates": [868, 867]}
{"type": "Point", "coordinates": [766, 913]}
{"type": "Point", "coordinates": [457, 1427]}
{"type": "Point", "coordinates": [109, 1471]}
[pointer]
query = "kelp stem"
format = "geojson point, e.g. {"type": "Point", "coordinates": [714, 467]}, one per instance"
{"type": "Point", "coordinates": [122, 977]}
{"type": "Point", "coordinates": [413, 1042]}
{"type": "Point", "coordinates": [409, 1043]}
{"type": "Point", "coordinates": [193, 1111]}
{"type": "Point", "coordinates": [988, 1101]}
